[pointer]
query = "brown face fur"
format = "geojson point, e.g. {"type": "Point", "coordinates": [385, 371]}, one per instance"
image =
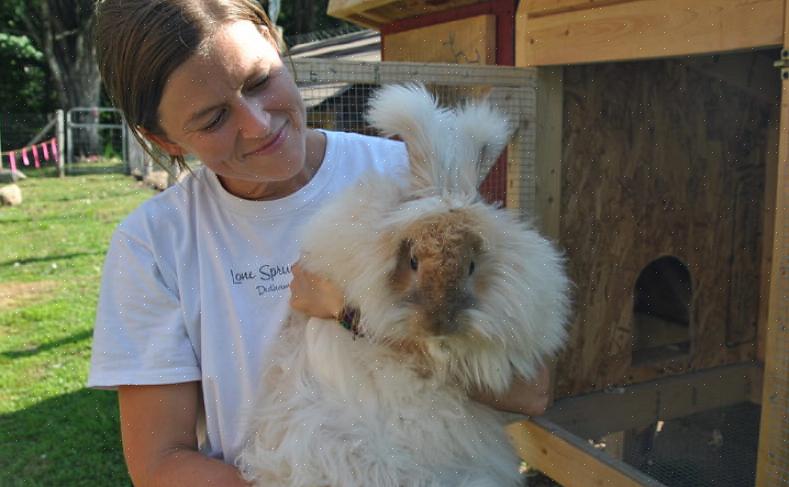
{"type": "Point", "coordinates": [436, 266]}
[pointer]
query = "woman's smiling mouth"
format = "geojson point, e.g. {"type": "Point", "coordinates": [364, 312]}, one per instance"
{"type": "Point", "coordinates": [272, 144]}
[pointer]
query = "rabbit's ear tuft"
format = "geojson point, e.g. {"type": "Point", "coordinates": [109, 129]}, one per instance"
{"type": "Point", "coordinates": [411, 113]}
{"type": "Point", "coordinates": [482, 132]}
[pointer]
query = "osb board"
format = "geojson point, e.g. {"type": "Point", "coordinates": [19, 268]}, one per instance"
{"type": "Point", "coordinates": [659, 160]}
{"type": "Point", "coordinates": [466, 41]}
{"type": "Point", "coordinates": [646, 29]}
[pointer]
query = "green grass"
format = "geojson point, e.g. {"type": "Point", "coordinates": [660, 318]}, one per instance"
{"type": "Point", "coordinates": [54, 431]}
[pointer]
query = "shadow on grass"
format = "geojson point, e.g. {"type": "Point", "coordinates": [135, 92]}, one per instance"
{"type": "Point", "coordinates": [48, 258]}
{"type": "Point", "coordinates": [72, 439]}
{"type": "Point", "coordinates": [77, 337]}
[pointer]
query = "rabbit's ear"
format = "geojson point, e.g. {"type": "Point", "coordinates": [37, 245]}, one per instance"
{"type": "Point", "coordinates": [482, 132]}
{"type": "Point", "coordinates": [412, 113]}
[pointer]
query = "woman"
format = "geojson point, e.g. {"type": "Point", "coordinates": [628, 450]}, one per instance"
{"type": "Point", "coordinates": [199, 279]}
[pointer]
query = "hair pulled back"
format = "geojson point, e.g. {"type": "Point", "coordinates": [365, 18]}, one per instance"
{"type": "Point", "coordinates": [139, 43]}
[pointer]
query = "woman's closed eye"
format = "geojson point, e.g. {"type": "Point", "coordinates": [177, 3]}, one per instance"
{"type": "Point", "coordinates": [258, 83]}
{"type": "Point", "coordinates": [216, 121]}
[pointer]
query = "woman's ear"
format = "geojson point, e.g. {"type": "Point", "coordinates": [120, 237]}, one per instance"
{"type": "Point", "coordinates": [163, 142]}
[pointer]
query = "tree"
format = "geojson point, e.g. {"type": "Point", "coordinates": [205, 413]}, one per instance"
{"type": "Point", "coordinates": [24, 76]}
{"type": "Point", "coordinates": [63, 31]}
{"type": "Point", "coordinates": [305, 16]}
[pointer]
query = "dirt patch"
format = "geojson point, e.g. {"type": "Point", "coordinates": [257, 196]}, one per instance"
{"type": "Point", "coordinates": [14, 294]}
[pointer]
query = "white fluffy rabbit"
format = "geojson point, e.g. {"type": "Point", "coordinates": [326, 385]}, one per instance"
{"type": "Point", "coordinates": [456, 296]}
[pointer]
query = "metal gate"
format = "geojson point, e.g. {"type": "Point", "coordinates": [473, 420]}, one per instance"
{"type": "Point", "coordinates": [95, 131]}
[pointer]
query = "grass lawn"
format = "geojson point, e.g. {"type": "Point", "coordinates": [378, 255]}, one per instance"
{"type": "Point", "coordinates": [54, 431]}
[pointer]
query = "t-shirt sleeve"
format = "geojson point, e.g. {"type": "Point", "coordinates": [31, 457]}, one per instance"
{"type": "Point", "coordinates": [140, 335]}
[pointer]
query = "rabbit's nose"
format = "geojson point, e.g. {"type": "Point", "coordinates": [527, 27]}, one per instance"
{"type": "Point", "coordinates": [446, 317]}
{"type": "Point", "coordinates": [445, 326]}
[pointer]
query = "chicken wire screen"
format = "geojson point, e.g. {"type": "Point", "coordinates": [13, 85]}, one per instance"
{"type": "Point", "coordinates": [336, 94]}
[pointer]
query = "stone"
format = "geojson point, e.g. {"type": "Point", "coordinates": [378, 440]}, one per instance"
{"type": "Point", "coordinates": [10, 195]}
{"type": "Point", "coordinates": [8, 176]}
{"type": "Point", "coordinates": [157, 180]}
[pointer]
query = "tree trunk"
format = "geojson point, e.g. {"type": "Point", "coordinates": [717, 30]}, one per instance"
{"type": "Point", "coordinates": [64, 31]}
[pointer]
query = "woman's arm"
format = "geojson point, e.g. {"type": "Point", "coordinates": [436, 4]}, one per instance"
{"type": "Point", "coordinates": [530, 397]}
{"type": "Point", "coordinates": [318, 297]}
{"type": "Point", "coordinates": [159, 439]}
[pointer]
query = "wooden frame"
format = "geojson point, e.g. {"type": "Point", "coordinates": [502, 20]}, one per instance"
{"type": "Point", "coordinates": [558, 443]}
{"type": "Point", "coordinates": [572, 462]}
{"type": "Point", "coordinates": [562, 32]}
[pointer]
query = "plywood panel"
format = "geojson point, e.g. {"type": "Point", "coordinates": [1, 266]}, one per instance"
{"type": "Point", "coordinates": [659, 159]}
{"type": "Point", "coordinates": [646, 29]}
{"type": "Point", "coordinates": [465, 41]}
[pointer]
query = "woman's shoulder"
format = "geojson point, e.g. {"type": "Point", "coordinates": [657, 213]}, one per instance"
{"type": "Point", "coordinates": [366, 150]}
{"type": "Point", "coordinates": [371, 141]}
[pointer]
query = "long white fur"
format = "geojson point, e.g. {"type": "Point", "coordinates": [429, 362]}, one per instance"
{"type": "Point", "coordinates": [343, 412]}
{"type": "Point", "coordinates": [479, 130]}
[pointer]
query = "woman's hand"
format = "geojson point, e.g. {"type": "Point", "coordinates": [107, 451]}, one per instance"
{"type": "Point", "coordinates": [529, 397]}
{"type": "Point", "coordinates": [314, 295]}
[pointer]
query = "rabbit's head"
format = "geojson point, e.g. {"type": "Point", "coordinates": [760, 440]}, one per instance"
{"type": "Point", "coordinates": [476, 292]}
{"type": "Point", "coordinates": [435, 271]}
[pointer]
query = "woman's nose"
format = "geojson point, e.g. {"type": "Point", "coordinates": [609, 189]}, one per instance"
{"type": "Point", "coordinates": [255, 120]}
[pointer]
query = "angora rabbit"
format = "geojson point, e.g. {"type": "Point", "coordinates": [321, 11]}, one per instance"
{"type": "Point", "coordinates": [455, 295]}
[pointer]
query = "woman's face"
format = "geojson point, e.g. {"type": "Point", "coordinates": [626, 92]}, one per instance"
{"type": "Point", "coordinates": [235, 106]}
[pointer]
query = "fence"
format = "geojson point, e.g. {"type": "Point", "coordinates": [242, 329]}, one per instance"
{"type": "Point", "coordinates": [92, 132]}
{"type": "Point", "coordinates": [336, 93]}
{"type": "Point", "coordinates": [28, 144]}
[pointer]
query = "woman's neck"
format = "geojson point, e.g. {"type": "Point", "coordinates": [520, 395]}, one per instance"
{"type": "Point", "coordinates": [315, 149]}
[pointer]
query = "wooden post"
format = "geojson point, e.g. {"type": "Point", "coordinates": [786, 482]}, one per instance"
{"type": "Point", "coordinates": [773, 458]}
{"type": "Point", "coordinates": [61, 138]}
{"type": "Point", "coordinates": [548, 163]}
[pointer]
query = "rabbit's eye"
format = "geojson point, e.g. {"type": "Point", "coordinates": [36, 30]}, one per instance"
{"type": "Point", "coordinates": [414, 263]}
{"type": "Point", "coordinates": [471, 268]}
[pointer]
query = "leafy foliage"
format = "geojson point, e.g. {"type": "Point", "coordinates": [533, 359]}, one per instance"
{"type": "Point", "coordinates": [23, 81]}
{"type": "Point", "coordinates": [304, 16]}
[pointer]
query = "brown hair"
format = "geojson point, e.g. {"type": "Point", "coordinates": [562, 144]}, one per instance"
{"type": "Point", "coordinates": [139, 43]}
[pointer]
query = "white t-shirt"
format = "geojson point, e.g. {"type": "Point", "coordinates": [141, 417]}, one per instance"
{"type": "Point", "coordinates": [195, 285]}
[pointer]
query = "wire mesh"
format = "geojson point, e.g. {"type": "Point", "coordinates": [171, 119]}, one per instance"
{"type": "Point", "coordinates": [17, 129]}
{"type": "Point", "coordinates": [712, 448]}
{"type": "Point", "coordinates": [336, 94]}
